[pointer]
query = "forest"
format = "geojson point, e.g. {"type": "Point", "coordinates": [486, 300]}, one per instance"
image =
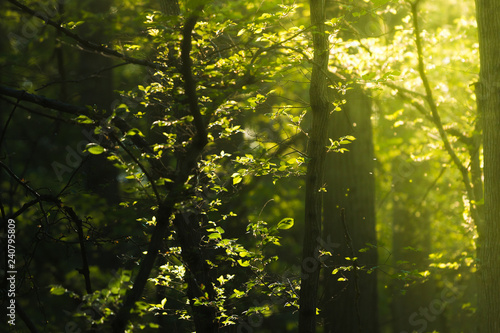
{"type": "Point", "coordinates": [328, 166]}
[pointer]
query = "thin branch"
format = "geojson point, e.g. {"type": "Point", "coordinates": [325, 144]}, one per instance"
{"type": "Point", "coordinates": [91, 76]}
{"type": "Point", "coordinates": [355, 267]}
{"type": "Point", "coordinates": [120, 321]}
{"type": "Point", "coordinates": [68, 210]}
{"type": "Point", "coordinates": [433, 106]}
{"type": "Point", "coordinates": [403, 89]}
{"type": "Point", "coordinates": [141, 166]}
{"type": "Point", "coordinates": [41, 114]}
{"type": "Point", "coordinates": [85, 43]}
{"type": "Point", "coordinates": [68, 183]}
{"type": "Point", "coordinates": [429, 189]}
{"type": "Point", "coordinates": [33, 202]}
{"type": "Point", "coordinates": [7, 122]}
{"type": "Point", "coordinates": [46, 102]}
{"type": "Point", "coordinates": [85, 271]}
{"type": "Point", "coordinates": [29, 189]}
{"type": "Point", "coordinates": [405, 94]}
{"type": "Point", "coordinates": [20, 181]}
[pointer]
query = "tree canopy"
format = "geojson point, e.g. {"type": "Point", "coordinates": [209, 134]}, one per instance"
{"type": "Point", "coordinates": [248, 166]}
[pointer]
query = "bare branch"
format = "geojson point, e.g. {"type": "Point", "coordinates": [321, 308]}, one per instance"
{"type": "Point", "coordinates": [85, 271]}
{"type": "Point", "coordinates": [45, 102]}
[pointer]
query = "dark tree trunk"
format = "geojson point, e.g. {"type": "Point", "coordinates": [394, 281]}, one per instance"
{"type": "Point", "coordinates": [488, 99]}
{"type": "Point", "coordinates": [410, 249]}
{"type": "Point", "coordinates": [316, 151]}
{"type": "Point", "coordinates": [351, 306]}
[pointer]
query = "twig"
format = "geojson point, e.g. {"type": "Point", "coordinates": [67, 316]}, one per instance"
{"type": "Point", "coordinates": [68, 183]}
{"type": "Point", "coordinates": [20, 181]}
{"type": "Point", "coordinates": [85, 264]}
{"type": "Point", "coordinates": [91, 76]}
{"type": "Point", "coordinates": [7, 122]}
{"type": "Point", "coordinates": [355, 267]}
{"type": "Point", "coordinates": [27, 205]}
{"type": "Point", "coordinates": [141, 166]}
{"type": "Point", "coordinates": [68, 210]}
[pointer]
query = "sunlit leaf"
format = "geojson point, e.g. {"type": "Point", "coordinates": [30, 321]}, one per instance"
{"type": "Point", "coordinates": [95, 149]}
{"type": "Point", "coordinates": [286, 223]}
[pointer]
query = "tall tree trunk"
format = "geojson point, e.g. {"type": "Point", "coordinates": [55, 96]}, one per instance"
{"type": "Point", "coordinates": [316, 151]}
{"type": "Point", "coordinates": [410, 249]}
{"type": "Point", "coordinates": [488, 101]}
{"type": "Point", "coordinates": [351, 306]}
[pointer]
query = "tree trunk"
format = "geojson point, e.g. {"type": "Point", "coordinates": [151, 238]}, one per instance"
{"type": "Point", "coordinates": [488, 100]}
{"type": "Point", "coordinates": [316, 151]}
{"type": "Point", "coordinates": [410, 249]}
{"type": "Point", "coordinates": [351, 306]}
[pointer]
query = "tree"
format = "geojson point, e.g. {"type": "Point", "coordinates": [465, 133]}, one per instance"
{"type": "Point", "coordinates": [488, 103]}
{"type": "Point", "coordinates": [316, 153]}
{"type": "Point", "coordinates": [167, 139]}
{"type": "Point", "coordinates": [350, 296]}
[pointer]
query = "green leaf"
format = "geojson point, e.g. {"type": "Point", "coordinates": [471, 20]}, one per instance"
{"type": "Point", "coordinates": [134, 131]}
{"type": "Point", "coordinates": [286, 223]}
{"type": "Point", "coordinates": [242, 263]}
{"type": "Point", "coordinates": [215, 235]}
{"type": "Point", "coordinates": [81, 119]}
{"type": "Point", "coordinates": [57, 290]}
{"type": "Point", "coordinates": [237, 293]}
{"type": "Point", "coordinates": [236, 178]}
{"type": "Point", "coordinates": [95, 149]}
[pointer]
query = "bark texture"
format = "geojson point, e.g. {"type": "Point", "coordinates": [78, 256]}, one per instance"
{"type": "Point", "coordinates": [351, 306]}
{"type": "Point", "coordinates": [316, 152]}
{"type": "Point", "coordinates": [488, 99]}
